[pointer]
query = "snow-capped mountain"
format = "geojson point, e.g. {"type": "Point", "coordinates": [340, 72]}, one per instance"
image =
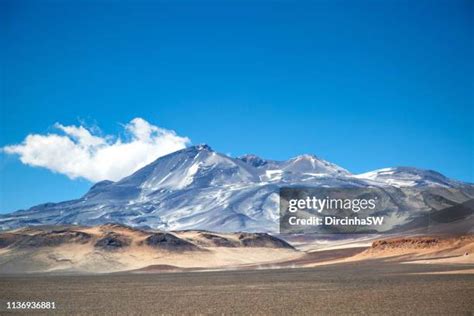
{"type": "Point", "coordinates": [406, 176]}
{"type": "Point", "coordinates": [198, 188]}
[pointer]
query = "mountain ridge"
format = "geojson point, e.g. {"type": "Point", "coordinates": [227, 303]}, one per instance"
{"type": "Point", "coordinates": [198, 188]}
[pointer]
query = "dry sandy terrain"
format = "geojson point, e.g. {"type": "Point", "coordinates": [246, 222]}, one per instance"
{"type": "Point", "coordinates": [113, 248]}
{"type": "Point", "coordinates": [193, 272]}
{"type": "Point", "coordinates": [365, 287]}
{"type": "Point", "coordinates": [451, 250]}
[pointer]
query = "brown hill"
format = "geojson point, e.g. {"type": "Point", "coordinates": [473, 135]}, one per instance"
{"type": "Point", "coordinates": [112, 248]}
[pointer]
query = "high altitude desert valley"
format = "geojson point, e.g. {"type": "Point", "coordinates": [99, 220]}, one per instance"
{"type": "Point", "coordinates": [114, 269]}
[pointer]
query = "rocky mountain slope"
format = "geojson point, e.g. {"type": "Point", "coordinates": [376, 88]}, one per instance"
{"type": "Point", "coordinates": [198, 188]}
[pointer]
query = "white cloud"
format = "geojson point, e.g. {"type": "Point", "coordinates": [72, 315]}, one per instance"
{"type": "Point", "coordinates": [79, 153]}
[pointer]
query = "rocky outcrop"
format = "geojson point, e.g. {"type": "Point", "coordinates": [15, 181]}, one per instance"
{"type": "Point", "coordinates": [113, 241]}
{"type": "Point", "coordinates": [416, 242]}
{"type": "Point", "coordinates": [44, 239]}
{"type": "Point", "coordinates": [262, 240]}
{"type": "Point", "coordinates": [219, 241]}
{"type": "Point", "coordinates": [8, 239]}
{"type": "Point", "coordinates": [425, 242]}
{"type": "Point", "coordinates": [169, 242]}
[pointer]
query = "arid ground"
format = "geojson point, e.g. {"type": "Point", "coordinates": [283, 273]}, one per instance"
{"type": "Point", "coordinates": [365, 287]}
{"type": "Point", "coordinates": [118, 270]}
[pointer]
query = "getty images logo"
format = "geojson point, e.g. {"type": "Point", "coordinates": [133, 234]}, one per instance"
{"type": "Point", "coordinates": [331, 204]}
{"type": "Point", "coordinates": [332, 210]}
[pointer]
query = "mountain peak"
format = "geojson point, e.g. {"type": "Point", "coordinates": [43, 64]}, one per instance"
{"type": "Point", "coordinates": [312, 164]}
{"type": "Point", "coordinates": [253, 160]}
{"type": "Point", "coordinates": [203, 147]}
{"type": "Point", "coordinates": [195, 149]}
{"type": "Point", "coordinates": [305, 157]}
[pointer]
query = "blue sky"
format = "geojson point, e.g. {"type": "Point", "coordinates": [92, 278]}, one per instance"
{"type": "Point", "coordinates": [364, 84]}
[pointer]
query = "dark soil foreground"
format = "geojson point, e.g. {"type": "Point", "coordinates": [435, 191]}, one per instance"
{"type": "Point", "coordinates": [358, 288]}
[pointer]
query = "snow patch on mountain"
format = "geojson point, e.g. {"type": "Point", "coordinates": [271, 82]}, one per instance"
{"type": "Point", "coordinates": [408, 177]}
